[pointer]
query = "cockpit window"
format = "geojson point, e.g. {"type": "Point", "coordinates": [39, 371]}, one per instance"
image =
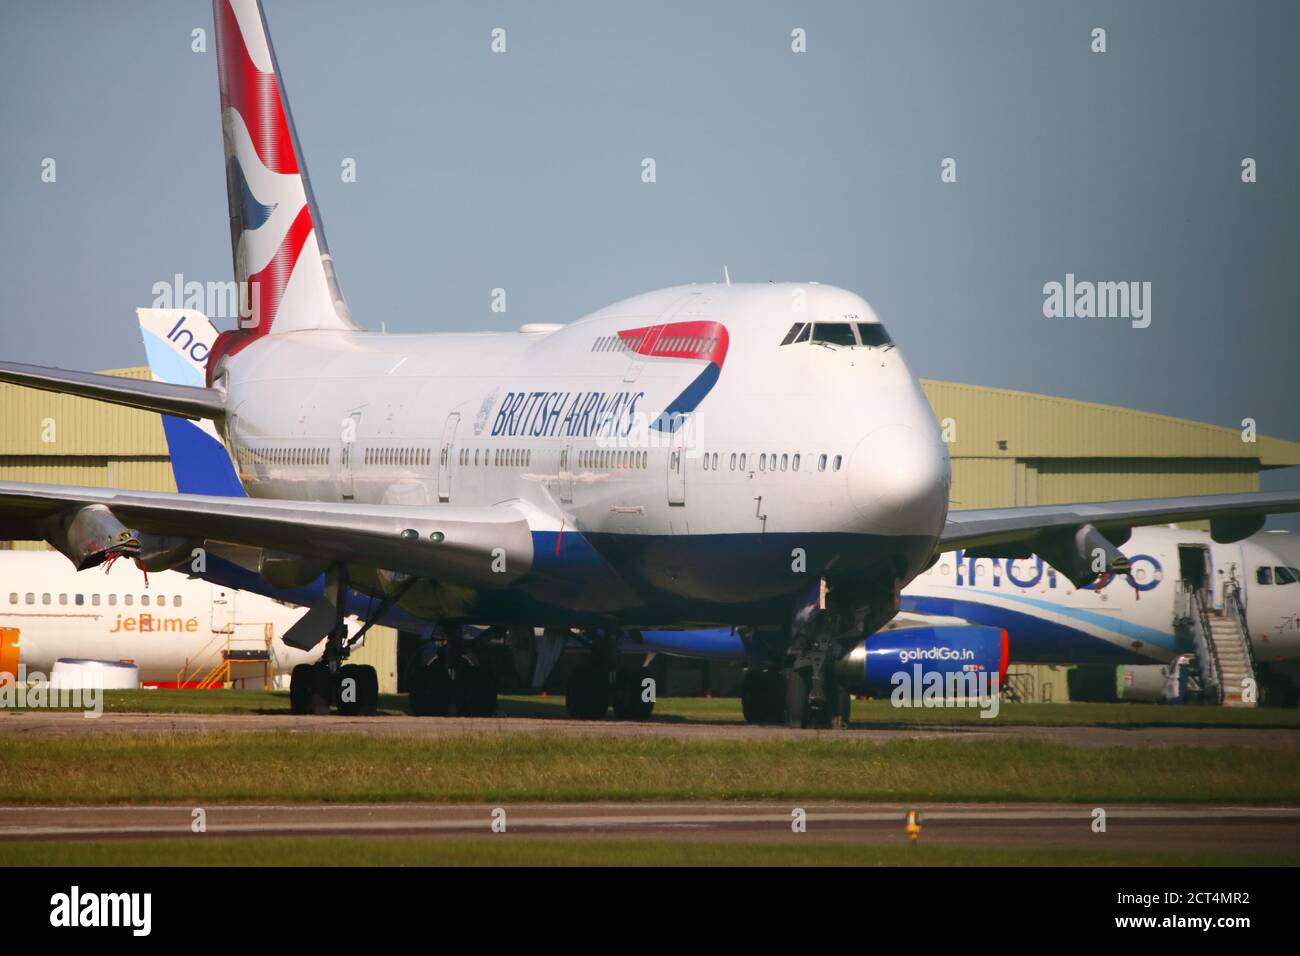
{"type": "Point", "coordinates": [794, 332]}
{"type": "Point", "coordinates": [834, 333]}
{"type": "Point", "coordinates": [873, 334]}
{"type": "Point", "coordinates": [1263, 575]}
{"type": "Point", "coordinates": [1284, 575]}
{"type": "Point", "coordinates": [843, 334]}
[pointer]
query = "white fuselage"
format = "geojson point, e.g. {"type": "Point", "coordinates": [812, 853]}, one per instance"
{"type": "Point", "coordinates": [799, 445]}
{"type": "Point", "coordinates": [175, 629]}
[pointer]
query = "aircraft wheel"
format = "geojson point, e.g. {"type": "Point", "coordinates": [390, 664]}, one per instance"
{"type": "Point", "coordinates": [430, 694]}
{"type": "Point", "coordinates": [299, 688]}
{"type": "Point", "coordinates": [843, 707]}
{"type": "Point", "coordinates": [762, 696]}
{"type": "Point", "coordinates": [587, 696]}
{"type": "Point", "coordinates": [364, 690]}
{"type": "Point", "coordinates": [310, 689]}
{"type": "Point", "coordinates": [474, 688]}
{"type": "Point", "coordinates": [629, 694]}
{"type": "Point", "coordinates": [797, 711]}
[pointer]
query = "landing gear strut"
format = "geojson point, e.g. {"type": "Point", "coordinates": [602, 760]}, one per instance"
{"type": "Point", "coordinates": [353, 688]}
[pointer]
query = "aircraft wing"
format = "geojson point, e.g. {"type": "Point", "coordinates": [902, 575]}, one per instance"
{"type": "Point", "coordinates": [458, 544]}
{"type": "Point", "coordinates": [1016, 528]}
{"type": "Point", "coordinates": [187, 401]}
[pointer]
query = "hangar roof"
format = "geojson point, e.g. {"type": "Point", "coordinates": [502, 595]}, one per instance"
{"type": "Point", "coordinates": [1000, 423]}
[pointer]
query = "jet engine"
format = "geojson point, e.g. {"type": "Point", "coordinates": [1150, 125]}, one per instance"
{"type": "Point", "coordinates": [946, 656]}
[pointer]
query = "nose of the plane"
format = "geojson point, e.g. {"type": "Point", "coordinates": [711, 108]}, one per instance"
{"type": "Point", "coordinates": [898, 480]}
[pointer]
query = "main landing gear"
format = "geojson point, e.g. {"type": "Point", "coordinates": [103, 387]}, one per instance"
{"type": "Point", "coordinates": [597, 682]}
{"type": "Point", "coordinates": [451, 677]}
{"type": "Point", "coordinates": [352, 688]}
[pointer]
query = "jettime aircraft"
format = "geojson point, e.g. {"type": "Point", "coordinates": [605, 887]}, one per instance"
{"type": "Point", "coordinates": [177, 630]}
{"type": "Point", "coordinates": [748, 456]}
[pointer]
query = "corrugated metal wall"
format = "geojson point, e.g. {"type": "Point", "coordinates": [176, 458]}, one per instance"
{"type": "Point", "coordinates": [380, 652]}
{"type": "Point", "coordinates": [998, 423]}
{"type": "Point", "coordinates": [49, 424]}
{"type": "Point", "coordinates": [61, 440]}
{"type": "Point", "coordinates": [1103, 479]}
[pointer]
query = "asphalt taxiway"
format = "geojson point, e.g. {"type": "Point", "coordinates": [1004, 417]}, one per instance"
{"type": "Point", "coordinates": [1128, 826]}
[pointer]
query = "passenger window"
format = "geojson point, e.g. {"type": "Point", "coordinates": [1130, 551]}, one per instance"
{"type": "Point", "coordinates": [176, 601]}
{"type": "Point", "coordinates": [128, 599]}
{"type": "Point", "coordinates": [80, 599]}
{"type": "Point", "coordinates": [834, 333]}
{"type": "Point", "coordinates": [733, 461]}
{"type": "Point", "coordinates": [836, 464]}
{"type": "Point", "coordinates": [162, 600]}
{"type": "Point", "coordinates": [144, 600]}
{"type": "Point", "coordinates": [762, 462]}
{"type": "Point", "coordinates": [45, 599]}
{"type": "Point", "coordinates": [31, 598]}
{"type": "Point", "coordinates": [1263, 575]}
{"type": "Point", "coordinates": [794, 464]}
{"type": "Point", "coordinates": [821, 463]}
{"type": "Point", "coordinates": [94, 600]}
{"type": "Point", "coordinates": [785, 462]}
{"type": "Point", "coordinates": [13, 597]}
{"type": "Point", "coordinates": [743, 459]}
{"type": "Point", "coordinates": [112, 600]}
{"type": "Point", "coordinates": [63, 599]}
{"type": "Point", "coordinates": [715, 461]}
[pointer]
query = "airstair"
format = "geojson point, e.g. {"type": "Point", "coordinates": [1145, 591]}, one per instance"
{"type": "Point", "coordinates": [1223, 651]}
{"type": "Point", "coordinates": [230, 657]}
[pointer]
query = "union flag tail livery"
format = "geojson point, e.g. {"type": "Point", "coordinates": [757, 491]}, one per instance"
{"type": "Point", "coordinates": [282, 264]}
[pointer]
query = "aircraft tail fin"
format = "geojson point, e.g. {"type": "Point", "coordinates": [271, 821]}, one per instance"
{"type": "Point", "coordinates": [282, 263]}
{"type": "Point", "coordinates": [177, 343]}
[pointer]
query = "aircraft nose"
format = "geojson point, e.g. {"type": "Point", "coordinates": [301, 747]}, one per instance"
{"type": "Point", "coordinates": [898, 480]}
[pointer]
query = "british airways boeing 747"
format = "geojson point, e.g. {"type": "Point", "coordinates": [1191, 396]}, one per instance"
{"type": "Point", "coordinates": [749, 456]}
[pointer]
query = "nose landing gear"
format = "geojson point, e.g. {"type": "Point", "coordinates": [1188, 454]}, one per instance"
{"type": "Point", "coordinates": [803, 690]}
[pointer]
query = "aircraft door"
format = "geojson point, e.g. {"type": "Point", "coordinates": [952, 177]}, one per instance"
{"type": "Point", "coordinates": [677, 468]}
{"type": "Point", "coordinates": [1194, 568]}
{"type": "Point", "coordinates": [444, 456]}
{"type": "Point", "coordinates": [566, 473]}
{"type": "Point", "coordinates": [221, 603]}
{"type": "Point", "coordinates": [351, 425]}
